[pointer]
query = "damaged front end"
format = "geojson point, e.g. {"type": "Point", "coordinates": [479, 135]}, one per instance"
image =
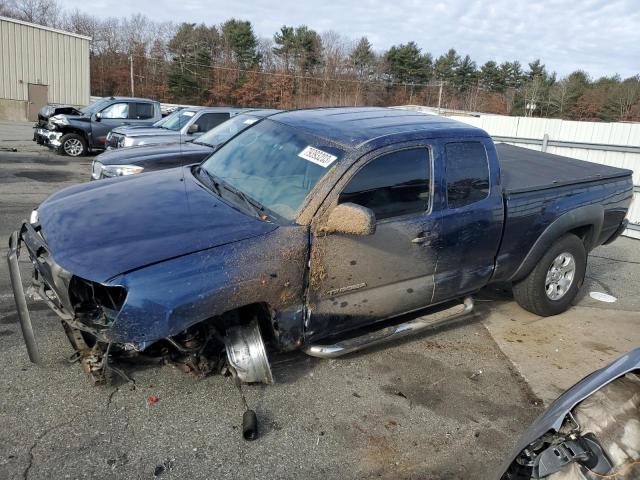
{"type": "Point", "coordinates": [90, 314]}
{"type": "Point", "coordinates": [592, 431]}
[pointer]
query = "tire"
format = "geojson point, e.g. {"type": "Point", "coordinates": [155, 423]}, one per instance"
{"type": "Point", "coordinates": [73, 145]}
{"type": "Point", "coordinates": [549, 289]}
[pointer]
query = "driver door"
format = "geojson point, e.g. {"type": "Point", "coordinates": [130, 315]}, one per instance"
{"type": "Point", "coordinates": [115, 115]}
{"type": "Point", "coordinates": [357, 280]}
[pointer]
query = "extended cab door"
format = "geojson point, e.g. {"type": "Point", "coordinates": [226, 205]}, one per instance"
{"type": "Point", "coordinates": [472, 217]}
{"type": "Point", "coordinates": [355, 280]}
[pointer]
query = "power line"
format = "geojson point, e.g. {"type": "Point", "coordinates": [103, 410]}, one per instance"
{"type": "Point", "coordinates": [292, 75]}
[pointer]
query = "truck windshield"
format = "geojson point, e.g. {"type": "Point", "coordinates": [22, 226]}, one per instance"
{"type": "Point", "coordinates": [166, 119]}
{"type": "Point", "coordinates": [273, 165]}
{"type": "Point", "coordinates": [95, 106]}
{"type": "Point", "coordinates": [180, 120]}
{"type": "Point", "coordinates": [226, 130]}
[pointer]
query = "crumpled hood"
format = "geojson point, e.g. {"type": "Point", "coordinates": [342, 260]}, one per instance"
{"type": "Point", "coordinates": [98, 230]}
{"type": "Point", "coordinates": [140, 154]}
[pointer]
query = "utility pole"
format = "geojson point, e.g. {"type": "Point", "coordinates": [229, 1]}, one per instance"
{"type": "Point", "coordinates": [131, 73]}
{"type": "Point", "coordinates": [440, 96]}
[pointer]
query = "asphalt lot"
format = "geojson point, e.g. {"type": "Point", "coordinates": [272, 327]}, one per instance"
{"type": "Point", "coordinates": [448, 404]}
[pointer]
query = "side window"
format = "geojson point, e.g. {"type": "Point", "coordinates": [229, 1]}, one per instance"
{"type": "Point", "coordinates": [394, 184]}
{"type": "Point", "coordinates": [209, 120]}
{"type": "Point", "coordinates": [467, 173]}
{"type": "Point", "coordinates": [116, 110]}
{"type": "Point", "coordinates": [143, 111]}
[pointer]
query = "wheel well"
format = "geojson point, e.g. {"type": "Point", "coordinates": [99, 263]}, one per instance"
{"type": "Point", "coordinates": [243, 315]}
{"type": "Point", "coordinates": [77, 131]}
{"type": "Point", "coordinates": [584, 233]}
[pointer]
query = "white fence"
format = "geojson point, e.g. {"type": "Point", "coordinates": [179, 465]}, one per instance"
{"type": "Point", "coordinates": [615, 144]}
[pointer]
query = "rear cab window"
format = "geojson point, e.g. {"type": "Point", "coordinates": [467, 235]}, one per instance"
{"type": "Point", "coordinates": [207, 121]}
{"type": "Point", "coordinates": [394, 184]}
{"type": "Point", "coordinates": [467, 173]}
{"type": "Point", "coordinates": [142, 111]}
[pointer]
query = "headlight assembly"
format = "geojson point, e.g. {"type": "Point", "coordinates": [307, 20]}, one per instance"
{"type": "Point", "coordinates": [120, 170]}
{"type": "Point", "coordinates": [128, 141]}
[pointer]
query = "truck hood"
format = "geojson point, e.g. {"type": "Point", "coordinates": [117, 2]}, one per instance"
{"type": "Point", "coordinates": [50, 110]}
{"type": "Point", "coordinates": [99, 230]}
{"type": "Point", "coordinates": [149, 153]}
{"type": "Point", "coordinates": [146, 132]}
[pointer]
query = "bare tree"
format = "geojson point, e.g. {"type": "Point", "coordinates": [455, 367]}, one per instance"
{"type": "Point", "coordinates": [43, 12]}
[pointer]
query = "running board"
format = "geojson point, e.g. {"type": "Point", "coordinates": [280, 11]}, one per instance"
{"type": "Point", "coordinates": [390, 333]}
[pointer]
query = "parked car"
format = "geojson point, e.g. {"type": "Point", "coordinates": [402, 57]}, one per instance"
{"type": "Point", "coordinates": [77, 133]}
{"type": "Point", "coordinates": [305, 231]}
{"type": "Point", "coordinates": [127, 161]}
{"type": "Point", "coordinates": [187, 124]}
{"type": "Point", "coordinates": [591, 431]}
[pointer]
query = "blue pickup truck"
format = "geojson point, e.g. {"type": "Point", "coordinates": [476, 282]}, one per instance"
{"type": "Point", "coordinates": [307, 231]}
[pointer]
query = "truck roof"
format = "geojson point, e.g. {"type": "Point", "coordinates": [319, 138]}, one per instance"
{"type": "Point", "coordinates": [355, 126]}
{"type": "Point", "coordinates": [131, 98]}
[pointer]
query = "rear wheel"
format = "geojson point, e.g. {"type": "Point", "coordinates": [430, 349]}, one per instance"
{"type": "Point", "coordinates": [73, 145]}
{"type": "Point", "coordinates": [552, 285]}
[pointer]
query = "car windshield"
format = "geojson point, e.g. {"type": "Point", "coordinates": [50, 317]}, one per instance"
{"type": "Point", "coordinates": [95, 106]}
{"type": "Point", "coordinates": [226, 130]}
{"type": "Point", "coordinates": [274, 165]}
{"type": "Point", "coordinates": [179, 121]}
{"type": "Point", "coordinates": [164, 120]}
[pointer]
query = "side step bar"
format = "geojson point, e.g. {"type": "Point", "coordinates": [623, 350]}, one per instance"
{"type": "Point", "coordinates": [390, 333]}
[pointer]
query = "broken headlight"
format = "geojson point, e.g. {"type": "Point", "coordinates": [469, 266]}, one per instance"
{"type": "Point", "coordinates": [94, 304]}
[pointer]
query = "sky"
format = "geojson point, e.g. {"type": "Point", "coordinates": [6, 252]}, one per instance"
{"type": "Point", "coordinates": [599, 37]}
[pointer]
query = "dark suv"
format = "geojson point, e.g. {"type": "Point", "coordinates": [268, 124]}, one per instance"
{"type": "Point", "coordinates": [86, 130]}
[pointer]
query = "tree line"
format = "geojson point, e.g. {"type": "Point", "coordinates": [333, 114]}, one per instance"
{"type": "Point", "coordinates": [297, 67]}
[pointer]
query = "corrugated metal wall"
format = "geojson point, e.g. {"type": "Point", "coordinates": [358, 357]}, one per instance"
{"type": "Point", "coordinates": [615, 144]}
{"type": "Point", "coordinates": [32, 54]}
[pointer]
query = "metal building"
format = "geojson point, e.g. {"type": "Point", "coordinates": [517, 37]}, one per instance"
{"type": "Point", "coordinates": [40, 65]}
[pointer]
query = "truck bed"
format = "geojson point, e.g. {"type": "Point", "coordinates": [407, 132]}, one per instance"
{"type": "Point", "coordinates": [526, 170]}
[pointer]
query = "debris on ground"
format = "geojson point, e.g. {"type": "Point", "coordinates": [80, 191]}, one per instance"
{"type": "Point", "coordinates": [152, 400]}
{"type": "Point", "coordinates": [163, 467]}
{"type": "Point", "coordinates": [603, 297]}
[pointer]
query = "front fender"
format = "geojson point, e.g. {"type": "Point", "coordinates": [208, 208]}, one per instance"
{"type": "Point", "coordinates": [165, 298]}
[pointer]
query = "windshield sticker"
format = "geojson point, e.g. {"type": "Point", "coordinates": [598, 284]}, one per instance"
{"type": "Point", "coordinates": [317, 156]}
{"type": "Point", "coordinates": [189, 114]}
{"type": "Point", "coordinates": [250, 121]}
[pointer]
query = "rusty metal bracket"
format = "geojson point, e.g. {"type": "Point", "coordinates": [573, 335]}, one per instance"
{"type": "Point", "coordinates": [18, 296]}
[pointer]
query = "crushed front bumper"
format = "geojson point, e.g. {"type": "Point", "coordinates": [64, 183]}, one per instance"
{"type": "Point", "coordinates": [43, 136]}
{"type": "Point", "coordinates": [50, 281]}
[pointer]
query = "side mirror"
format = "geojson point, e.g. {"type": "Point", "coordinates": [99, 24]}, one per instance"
{"type": "Point", "coordinates": [98, 116]}
{"type": "Point", "coordinates": [351, 219]}
{"type": "Point", "coordinates": [193, 128]}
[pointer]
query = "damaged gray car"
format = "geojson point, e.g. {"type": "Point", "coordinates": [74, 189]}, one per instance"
{"type": "Point", "coordinates": [590, 432]}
